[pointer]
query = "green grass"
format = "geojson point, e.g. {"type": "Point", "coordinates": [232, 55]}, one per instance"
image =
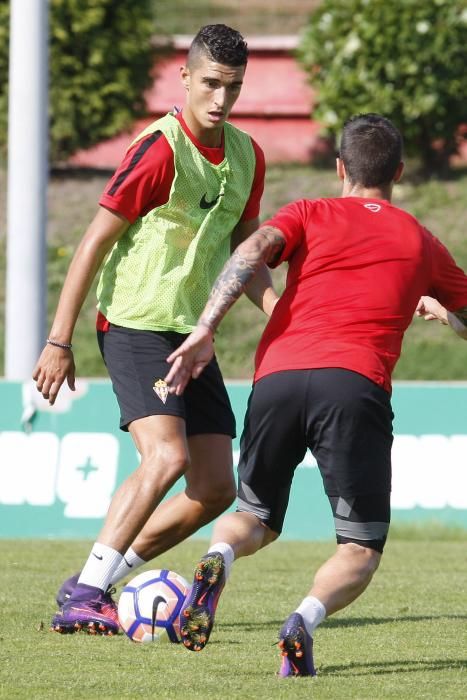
{"type": "Point", "coordinates": [429, 352]}
{"type": "Point", "coordinates": [402, 639]}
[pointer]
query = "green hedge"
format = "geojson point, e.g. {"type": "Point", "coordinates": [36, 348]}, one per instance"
{"type": "Point", "coordinates": [100, 62]}
{"type": "Point", "coordinates": [406, 60]}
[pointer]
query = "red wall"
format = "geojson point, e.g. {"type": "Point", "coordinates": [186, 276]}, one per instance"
{"type": "Point", "coordinates": [274, 106]}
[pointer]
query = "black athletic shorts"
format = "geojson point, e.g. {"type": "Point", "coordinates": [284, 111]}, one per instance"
{"type": "Point", "coordinates": [136, 362]}
{"type": "Point", "coordinates": [346, 421]}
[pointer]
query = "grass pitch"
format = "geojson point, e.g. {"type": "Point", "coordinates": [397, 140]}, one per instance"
{"type": "Point", "coordinates": [404, 638]}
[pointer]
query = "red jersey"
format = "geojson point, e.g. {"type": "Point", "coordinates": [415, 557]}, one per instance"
{"type": "Point", "coordinates": [143, 180]}
{"type": "Point", "coordinates": [357, 269]}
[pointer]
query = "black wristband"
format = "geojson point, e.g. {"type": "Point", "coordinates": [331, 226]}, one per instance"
{"type": "Point", "coordinates": [65, 346]}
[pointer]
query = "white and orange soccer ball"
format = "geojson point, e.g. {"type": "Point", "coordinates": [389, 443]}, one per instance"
{"type": "Point", "coordinates": [149, 605]}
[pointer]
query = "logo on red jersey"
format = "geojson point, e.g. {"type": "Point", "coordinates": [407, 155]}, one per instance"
{"type": "Point", "coordinates": [373, 207]}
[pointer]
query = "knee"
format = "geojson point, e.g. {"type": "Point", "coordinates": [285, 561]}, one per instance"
{"type": "Point", "coordinates": [364, 558]}
{"type": "Point", "coordinates": [218, 500]}
{"type": "Point", "coordinates": [163, 464]}
{"type": "Point", "coordinates": [215, 498]}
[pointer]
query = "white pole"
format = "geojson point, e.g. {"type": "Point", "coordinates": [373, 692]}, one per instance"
{"type": "Point", "coordinates": [27, 187]}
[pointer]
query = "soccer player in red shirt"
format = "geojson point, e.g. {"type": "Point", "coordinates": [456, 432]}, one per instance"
{"type": "Point", "coordinates": [358, 269]}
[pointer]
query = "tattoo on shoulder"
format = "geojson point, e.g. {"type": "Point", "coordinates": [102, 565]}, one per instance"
{"type": "Point", "coordinates": [276, 242]}
{"type": "Point", "coordinates": [461, 314]}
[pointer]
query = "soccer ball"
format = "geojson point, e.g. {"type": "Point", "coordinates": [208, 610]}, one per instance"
{"type": "Point", "coordinates": [150, 605]}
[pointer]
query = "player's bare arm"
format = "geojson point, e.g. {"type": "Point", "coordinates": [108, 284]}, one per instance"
{"type": "Point", "coordinates": [56, 362]}
{"type": "Point", "coordinates": [189, 360]}
{"type": "Point", "coordinates": [431, 310]}
{"type": "Point", "coordinates": [260, 289]}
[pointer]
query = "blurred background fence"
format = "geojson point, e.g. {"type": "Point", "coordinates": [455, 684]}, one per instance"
{"type": "Point", "coordinates": [261, 17]}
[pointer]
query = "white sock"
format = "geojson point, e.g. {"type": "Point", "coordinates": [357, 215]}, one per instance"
{"type": "Point", "coordinates": [101, 564]}
{"type": "Point", "coordinates": [313, 612]}
{"type": "Point", "coordinates": [228, 554]}
{"type": "Point", "coordinates": [130, 562]}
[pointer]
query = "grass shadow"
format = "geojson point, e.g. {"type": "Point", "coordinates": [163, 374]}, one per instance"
{"type": "Point", "coordinates": [335, 623]}
{"type": "Point", "coordinates": [364, 621]}
{"type": "Point", "coordinates": [373, 668]}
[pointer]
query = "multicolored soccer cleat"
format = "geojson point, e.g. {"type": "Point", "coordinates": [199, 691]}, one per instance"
{"type": "Point", "coordinates": [109, 606]}
{"type": "Point", "coordinates": [296, 647]}
{"type": "Point", "coordinates": [89, 610]}
{"type": "Point", "coordinates": [197, 614]}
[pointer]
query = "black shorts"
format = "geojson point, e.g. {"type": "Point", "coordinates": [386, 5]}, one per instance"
{"type": "Point", "coordinates": [136, 362]}
{"type": "Point", "coordinates": [345, 420]}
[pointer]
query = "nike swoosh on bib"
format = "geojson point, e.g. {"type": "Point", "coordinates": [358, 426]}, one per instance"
{"type": "Point", "coordinates": [204, 204]}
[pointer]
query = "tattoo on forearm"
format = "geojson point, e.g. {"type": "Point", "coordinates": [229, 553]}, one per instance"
{"type": "Point", "coordinates": [461, 314]}
{"type": "Point", "coordinates": [263, 246]}
{"type": "Point", "coordinates": [228, 287]}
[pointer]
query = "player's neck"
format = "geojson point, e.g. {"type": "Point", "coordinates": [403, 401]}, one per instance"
{"type": "Point", "coordinates": [210, 138]}
{"type": "Point", "coordinates": [355, 190]}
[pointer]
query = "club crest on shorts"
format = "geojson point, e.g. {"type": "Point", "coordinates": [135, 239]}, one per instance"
{"type": "Point", "coordinates": [161, 389]}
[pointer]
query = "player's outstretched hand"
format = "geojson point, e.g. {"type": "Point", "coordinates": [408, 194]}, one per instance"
{"type": "Point", "coordinates": [189, 360]}
{"type": "Point", "coordinates": [430, 309]}
{"type": "Point", "coordinates": [53, 367]}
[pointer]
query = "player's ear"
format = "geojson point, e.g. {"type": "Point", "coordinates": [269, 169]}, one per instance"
{"type": "Point", "coordinates": [340, 168]}
{"type": "Point", "coordinates": [185, 77]}
{"type": "Point", "coordinates": [399, 171]}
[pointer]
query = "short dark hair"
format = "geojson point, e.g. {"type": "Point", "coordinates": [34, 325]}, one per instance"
{"type": "Point", "coordinates": [371, 149]}
{"type": "Point", "coordinates": [220, 43]}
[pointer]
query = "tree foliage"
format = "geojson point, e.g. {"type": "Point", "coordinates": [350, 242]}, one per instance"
{"type": "Point", "coordinates": [406, 60]}
{"type": "Point", "coordinates": [100, 62]}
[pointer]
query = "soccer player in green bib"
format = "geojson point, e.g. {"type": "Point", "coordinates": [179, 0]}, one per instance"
{"type": "Point", "coordinates": [186, 194]}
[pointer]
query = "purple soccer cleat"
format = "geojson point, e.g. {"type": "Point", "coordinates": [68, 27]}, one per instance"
{"type": "Point", "coordinates": [87, 609]}
{"type": "Point", "coordinates": [197, 614]}
{"type": "Point", "coordinates": [66, 589]}
{"type": "Point", "coordinates": [109, 606]}
{"type": "Point", "coordinates": [296, 647]}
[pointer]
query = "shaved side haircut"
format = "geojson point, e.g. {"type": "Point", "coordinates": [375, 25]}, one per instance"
{"type": "Point", "coordinates": [221, 44]}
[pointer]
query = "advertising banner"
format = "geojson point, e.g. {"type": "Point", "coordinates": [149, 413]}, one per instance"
{"type": "Point", "coordinates": [59, 466]}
